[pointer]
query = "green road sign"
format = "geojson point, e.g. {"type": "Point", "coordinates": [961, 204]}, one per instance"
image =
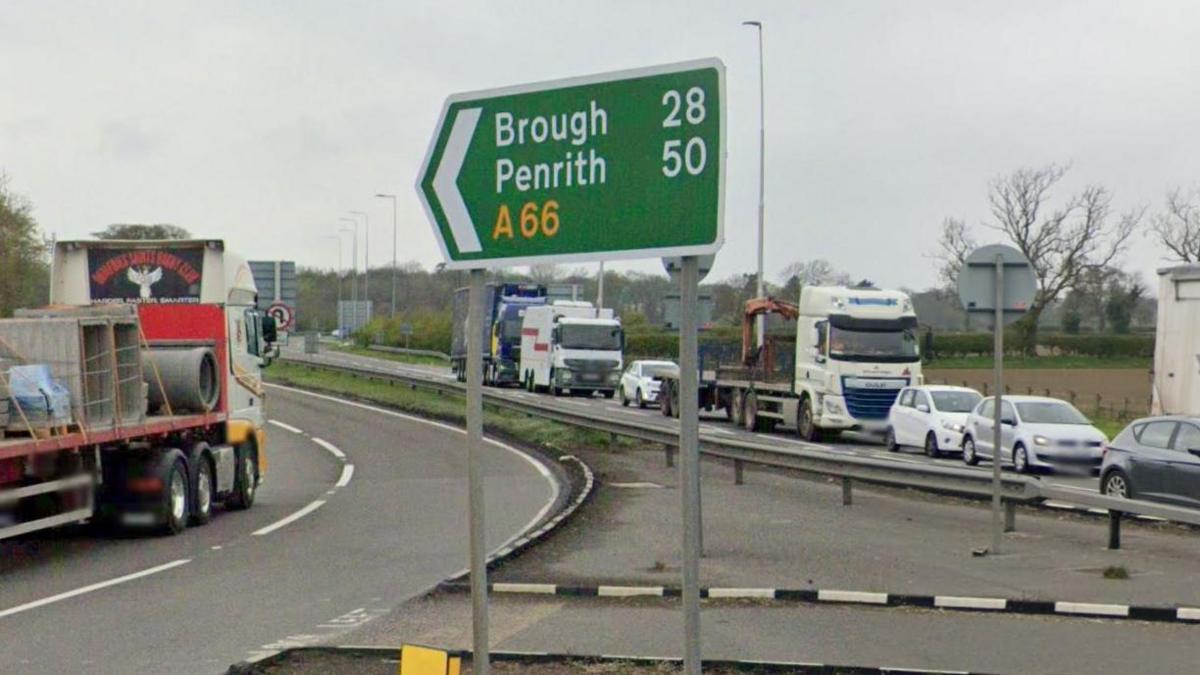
{"type": "Point", "coordinates": [620, 165]}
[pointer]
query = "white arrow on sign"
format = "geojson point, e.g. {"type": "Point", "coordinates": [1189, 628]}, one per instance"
{"type": "Point", "coordinates": [445, 181]}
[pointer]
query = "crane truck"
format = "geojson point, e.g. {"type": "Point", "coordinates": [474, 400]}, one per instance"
{"type": "Point", "coordinates": [855, 349]}
{"type": "Point", "coordinates": [160, 350]}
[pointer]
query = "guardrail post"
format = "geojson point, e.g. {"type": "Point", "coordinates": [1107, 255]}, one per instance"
{"type": "Point", "coordinates": [1010, 516]}
{"type": "Point", "coordinates": [670, 449]}
{"type": "Point", "coordinates": [738, 467]}
{"type": "Point", "coordinates": [1114, 530]}
{"type": "Point", "coordinates": [847, 492]}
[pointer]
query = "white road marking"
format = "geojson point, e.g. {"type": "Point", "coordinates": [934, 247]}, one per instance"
{"type": "Point", "coordinates": [287, 427]}
{"type": "Point", "coordinates": [347, 474]}
{"type": "Point", "coordinates": [803, 444]}
{"type": "Point", "coordinates": [555, 488]}
{"type": "Point", "coordinates": [333, 449]}
{"type": "Point", "coordinates": [93, 587]}
{"type": "Point", "coordinates": [716, 430]}
{"type": "Point", "coordinates": [290, 519]}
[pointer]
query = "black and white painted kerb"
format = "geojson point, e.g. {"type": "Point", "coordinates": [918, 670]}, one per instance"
{"type": "Point", "coordinates": [948, 602]}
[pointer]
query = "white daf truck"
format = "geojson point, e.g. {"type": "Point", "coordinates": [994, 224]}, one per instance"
{"type": "Point", "coordinates": [855, 349]}
{"type": "Point", "coordinates": [571, 347]}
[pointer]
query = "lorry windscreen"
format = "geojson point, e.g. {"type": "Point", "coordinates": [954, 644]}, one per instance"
{"type": "Point", "coordinates": [580, 336]}
{"type": "Point", "coordinates": [510, 330]}
{"type": "Point", "coordinates": [873, 340]}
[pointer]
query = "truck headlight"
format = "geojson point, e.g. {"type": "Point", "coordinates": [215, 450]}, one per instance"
{"type": "Point", "coordinates": [1041, 440]}
{"type": "Point", "coordinates": [957, 428]}
{"type": "Point", "coordinates": [564, 375]}
{"type": "Point", "coordinates": [614, 376]}
{"type": "Point", "coordinates": [833, 406]}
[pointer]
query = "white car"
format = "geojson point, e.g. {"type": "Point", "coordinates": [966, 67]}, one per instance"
{"type": "Point", "coordinates": [641, 381]}
{"type": "Point", "coordinates": [1035, 433]}
{"type": "Point", "coordinates": [930, 417]}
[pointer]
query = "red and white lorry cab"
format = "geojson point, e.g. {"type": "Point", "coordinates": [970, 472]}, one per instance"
{"type": "Point", "coordinates": [162, 348]}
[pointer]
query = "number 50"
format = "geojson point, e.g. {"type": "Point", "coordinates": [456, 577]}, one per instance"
{"type": "Point", "coordinates": [693, 158]}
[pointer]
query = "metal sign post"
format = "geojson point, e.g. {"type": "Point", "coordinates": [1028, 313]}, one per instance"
{"type": "Point", "coordinates": [689, 462]}
{"type": "Point", "coordinates": [997, 280]}
{"type": "Point", "coordinates": [478, 545]}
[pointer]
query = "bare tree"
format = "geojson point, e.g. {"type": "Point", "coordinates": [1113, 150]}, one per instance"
{"type": "Point", "coordinates": [1178, 227]}
{"type": "Point", "coordinates": [1061, 244]}
{"type": "Point", "coordinates": [955, 244]}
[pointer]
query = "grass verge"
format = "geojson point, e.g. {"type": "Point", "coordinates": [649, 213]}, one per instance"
{"type": "Point", "coordinates": [1042, 362]}
{"type": "Point", "coordinates": [411, 359]}
{"type": "Point", "coordinates": [533, 431]}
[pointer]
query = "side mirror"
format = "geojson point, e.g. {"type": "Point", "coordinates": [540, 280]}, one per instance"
{"type": "Point", "coordinates": [1194, 451]}
{"type": "Point", "coordinates": [922, 407]}
{"type": "Point", "coordinates": [1009, 421]}
{"type": "Point", "coordinates": [270, 329]}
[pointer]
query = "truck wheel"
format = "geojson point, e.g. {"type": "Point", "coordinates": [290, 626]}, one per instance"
{"type": "Point", "coordinates": [675, 402]}
{"type": "Point", "coordinates": [750, 411]}
{"type": "Point", "coordinates": [728, 403]}
{"type": "Point", "coordinates": [609, 393]}
{"type": "Point", "coordinates": [203, 488]}
{"type": "Point", "coordinates": [175, 498]}
{"type": "Point", "coordinates": [244, 480]}
{"type": "Point", "coordinates": [665, 398]}
{"type": "Point", "coordinates": [737, 408]}
{"type": "Point", "coordinates": [804, 421]}
{"type": "Point", "coordinates": [637, 396]}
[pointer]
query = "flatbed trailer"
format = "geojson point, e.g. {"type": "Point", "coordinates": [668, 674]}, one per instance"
{"type": "Point", "coordinates": [161, 458]}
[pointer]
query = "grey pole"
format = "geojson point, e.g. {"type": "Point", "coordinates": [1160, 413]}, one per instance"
{"type": "Point", "coordinates": [762, 152]}
{"type": "Point", "coordinates": [689, 462]}
{"type": "Point", "coordinates": [600, 288]}
{"type": "Point", "coordinates": [393, 198]}
{"type": "Point", "coordinates": [354, 273]}
{"type": "Point", "coordinates": [478, 547]}
{"type": "Point", "coordinates": [998, 357]}
{"type": "Point", "coordinates": [366, 259]}
{"type": "Point", "coordinates": [339, 280]}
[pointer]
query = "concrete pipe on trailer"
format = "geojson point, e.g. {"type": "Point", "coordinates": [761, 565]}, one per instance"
{"type": "Point", "coordinates": [184, 378]}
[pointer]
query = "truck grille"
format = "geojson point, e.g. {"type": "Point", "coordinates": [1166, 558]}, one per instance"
{"type": "Point", "coordinates": [872, 403]}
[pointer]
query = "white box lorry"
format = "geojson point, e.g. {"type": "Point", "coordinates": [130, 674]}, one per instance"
{"type": "Point", "coordinates": [571, 347]}
{"type": "Point", "coordinates": [1176, 384]}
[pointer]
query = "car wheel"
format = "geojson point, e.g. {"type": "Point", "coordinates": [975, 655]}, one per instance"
{"type": "Point", "coordinates": [889, 440]}
{"type": "Point", "coordinates": [637, 395]}
{"type": "Point", "coordinates": [202, 491]}
{"type": "Point", "coordinates": [750, 411]}
{"type": "Point", "coordinates": [969, 456]}
{"type": "Point", "coordinates": [245, 480]}
{"type": "Point", "coordinates": [175, 499]}
{"type": "Point", "coordinates": [931, 446]}
{"type": "Point", "coordinates": [624, 398]}
{"type": "Point", "coordinates": [1117, 484]}
{"type": "Point", "coordinates": [1020, 459]}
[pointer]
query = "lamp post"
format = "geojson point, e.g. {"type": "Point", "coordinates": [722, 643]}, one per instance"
{"type": "Point", "coordinates": [339, 278]}
{"type": "Point", "coordinates": [382, 195]}
{"type": "Point", "coordinates": [353, 268]}
{"type": "Point", "coordinates": [762, 151]}
{"type": "Point", "coordinates": [366, 260]}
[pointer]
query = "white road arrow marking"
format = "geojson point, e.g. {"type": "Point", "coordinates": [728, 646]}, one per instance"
{"type": "Point", "coordinates": [445, 181]}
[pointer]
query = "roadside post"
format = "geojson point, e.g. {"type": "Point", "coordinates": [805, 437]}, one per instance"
{"type": "Point", "coordinates": [998, 280]}
{"type": "Point", "coordinates": [603, 167]}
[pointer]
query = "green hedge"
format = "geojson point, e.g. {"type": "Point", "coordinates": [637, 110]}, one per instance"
{"type": "Point", "coordinates": [948, 345]}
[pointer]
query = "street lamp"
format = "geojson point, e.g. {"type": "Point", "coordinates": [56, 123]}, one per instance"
{"type": "Point", "coordinates": [366, 260]}
{"type": "Point", "coordinates": [762, 151]}
{"type": "Point", "coordinates": [339, 278]}
{"type": "Point", "coordinates": [353, 268]}
{"type": "Point", "coordinates": [382, 195]}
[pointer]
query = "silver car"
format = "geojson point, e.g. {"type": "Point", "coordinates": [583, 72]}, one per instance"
{"type": "Point", "coordinates": [1156, 458]}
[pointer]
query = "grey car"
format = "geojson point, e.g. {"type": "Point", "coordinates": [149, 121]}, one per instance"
{"type": "Point", "coordinates": [1156, 458]}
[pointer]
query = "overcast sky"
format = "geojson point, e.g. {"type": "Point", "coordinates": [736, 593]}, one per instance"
{"type": "Point", "coordinates": [262, 123]}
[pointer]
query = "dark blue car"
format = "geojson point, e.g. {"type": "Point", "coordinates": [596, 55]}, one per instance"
{"type": "Point", "coordinates": [1156, 458]}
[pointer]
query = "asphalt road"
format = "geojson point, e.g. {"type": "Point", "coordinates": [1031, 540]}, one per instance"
{"type": "Point", "coordinates": [326, 549]}
{"type": "Point", "coordinates": [714, 423]}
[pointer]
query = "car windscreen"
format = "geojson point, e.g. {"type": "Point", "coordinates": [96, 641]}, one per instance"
{"type": "Point", "coordinates": [1050, 412]}
{"type": "Point", "coordinates": [955, 401]}
{"type": "Point", "coordinates": [510, 329]}
{"type": "Point", "coordinates": [582, 336]}
{"type": "Point", "coordinates": [659, 369]}
{"type": "Point", "coordinates": [858, 345]}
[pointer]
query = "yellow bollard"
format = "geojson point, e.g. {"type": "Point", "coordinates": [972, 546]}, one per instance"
{"type": "Point", "coordinates": [415, 660]}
